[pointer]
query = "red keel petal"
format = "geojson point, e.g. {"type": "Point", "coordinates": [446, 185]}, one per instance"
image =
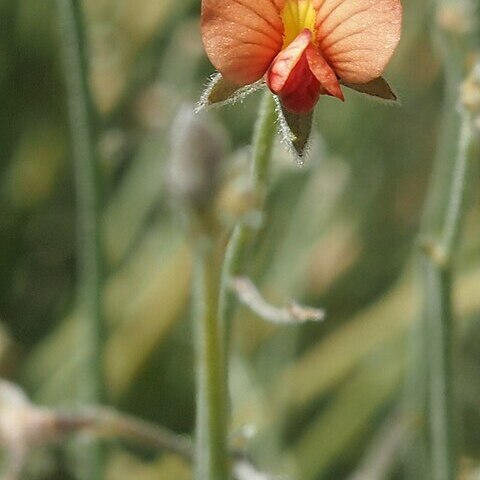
{"type": "Point", "coordinates": [285, 62]}
{"type": "Point", "coordinates": [323, 72]}
{"type": "Point", "coordinates": [301, 90]}
{"type": "Point", "coordinates": [299, 75]}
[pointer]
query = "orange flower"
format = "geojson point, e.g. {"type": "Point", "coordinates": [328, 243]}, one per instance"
{"type": "Point", "coordinates": [303, 48]}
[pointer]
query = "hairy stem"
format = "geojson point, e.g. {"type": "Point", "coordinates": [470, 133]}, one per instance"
{"type": "Point", "coordinates": [89, 265]}
{"type": "Point", "coordinates": [243, 233]}
{"type": "Point", "coordinates": [215, 303]}
{"type": "Point", "coordinates": [212, 456]}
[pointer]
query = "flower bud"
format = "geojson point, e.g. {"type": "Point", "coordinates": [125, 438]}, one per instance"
{"type": "Point", "coordinates": [198, 148]}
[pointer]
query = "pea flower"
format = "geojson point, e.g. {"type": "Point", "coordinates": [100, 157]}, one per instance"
{"type": "Point", "coordinates": [300, 49]}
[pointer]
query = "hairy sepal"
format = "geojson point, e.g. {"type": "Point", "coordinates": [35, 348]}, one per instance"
{"type": "Point", "coordinates": [295, 130]}
{"type": "Point", "coordinates": [377, 88]}
{"type": "Point", "coordinates": [220, 91]}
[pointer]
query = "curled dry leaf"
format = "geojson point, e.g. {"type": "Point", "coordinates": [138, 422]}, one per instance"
{"type": "Point", "coordinates": [292, 314]}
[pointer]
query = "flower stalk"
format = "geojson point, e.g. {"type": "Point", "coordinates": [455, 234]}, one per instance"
{"type": "Point", "coordinates": [244, 232]}
{"type": "Point", "coordinates": [212, 455]}
{"type": "Point", "coordinates": [198, 149]}
{"type": "Point", "coordinates": [87, 189]}
{"type": "Point", "coordinates": [214, 307]}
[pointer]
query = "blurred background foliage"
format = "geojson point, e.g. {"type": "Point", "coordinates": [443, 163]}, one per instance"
{"type": "Point", "coordinates": [340, 234]}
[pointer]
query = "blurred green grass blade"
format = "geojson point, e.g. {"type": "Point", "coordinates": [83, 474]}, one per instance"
{"type": "Point", "coordinates": [125, 466]}
{"type": "Point", "coordinates": [148, 323]}
{"type": "Point", "coordinates": [349, 415]}
{"type": "Point", "coordinates": [140, 190]}
{"type": "Point", "coordinates": [324, 365]}
{"type": "Point", "coordinates": [299, 230]}
{"type": "Point", "coordinates": [143, 300]}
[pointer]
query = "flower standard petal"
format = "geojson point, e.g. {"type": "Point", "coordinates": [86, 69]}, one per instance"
{"type": "Point", "coordinates": [241, 37]}
{"type": "Point", "coordinates": [358, 37]}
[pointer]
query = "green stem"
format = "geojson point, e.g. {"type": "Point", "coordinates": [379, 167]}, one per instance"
{"type": "Point", "coordinates": [416, 465]}
{"type": "Point", "coordinates": [264, 134]}
{"type": "Point", "coordinates": [89, 267]}
{"type": "Point", "coordinates": [454, 216]}
{"type": "Point", "coordinates": [215, 305]}
{"type": "Point", "coordinates": [444, 216]}
{"type": "Point", "coordinates": [439, 324]}
{"type": "Point", "coordinates": [212, 453]}
{"type": "Point", "coordinates": [437, 264]}
{"type": "Point", "coordinates": [243, 234]}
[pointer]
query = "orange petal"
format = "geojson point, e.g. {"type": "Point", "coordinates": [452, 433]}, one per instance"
{"type": "Point", "coordinates": [286, 60]}
{"type": "Point", "coordinates": [241, 37]}
{"type": "Point", "coordinates": [323, 72]}
{"type": "Point", "coordinates": [358, 37]}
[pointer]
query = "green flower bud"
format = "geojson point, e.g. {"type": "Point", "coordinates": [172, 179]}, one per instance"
{"type": "Point", "coordinates": [198, 148]}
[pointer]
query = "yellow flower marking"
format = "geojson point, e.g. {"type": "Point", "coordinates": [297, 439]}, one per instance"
{"type": "Point", "coordinates": [296, 16]}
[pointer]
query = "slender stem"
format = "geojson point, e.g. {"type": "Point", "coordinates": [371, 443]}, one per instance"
{"type": "Point", "coordinates": [439, 323]}
{"type": "Point", "coordinates": [461, 176]}
{"type": "Point", "coordinates": [263, 137]}
{"type": "Point", "coordinates": [89, 268]}
{"type": "Point", "coordinates": [215, 304]}
{"type": "Point", "coordinates": [212, 455]}
{"type": "Point", "coordinates": [382, 455]}
{"type": "Point", "coordinates": [107, 423]}
{"type": "Point", "coordinates": [43, 426]}
{"type": "Point", "coordinates": [443, 219]}
{"type": "Point", "coordinates": [244, 232]}
{"type": "Point", "coordinates": [416, 389]}
{"type": "Point", "coordinates": [437, 264]}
